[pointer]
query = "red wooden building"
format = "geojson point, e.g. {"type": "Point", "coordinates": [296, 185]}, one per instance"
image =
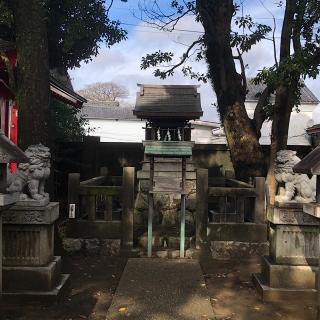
{"type": "Point", "coordinates": [9, 111]}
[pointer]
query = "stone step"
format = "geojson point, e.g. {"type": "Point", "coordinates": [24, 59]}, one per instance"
{"type": "Point", "coordinates": [169, 254]}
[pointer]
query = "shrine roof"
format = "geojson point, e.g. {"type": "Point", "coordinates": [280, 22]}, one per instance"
{"type": "Point", "coordinates": [310, 164]}
{"type": "Point", "coordinates": [168, 101]}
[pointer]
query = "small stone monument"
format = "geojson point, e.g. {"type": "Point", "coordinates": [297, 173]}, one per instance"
{"type": "Point", "coordinates": [30, 269]}
{"type": "Point", "coordinates": [289, 272]}
{"type": "Point", "coordinates": [8, 153]}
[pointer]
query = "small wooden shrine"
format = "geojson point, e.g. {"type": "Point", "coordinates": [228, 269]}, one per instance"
{"type": "Point", "coordinates": [168, 110]}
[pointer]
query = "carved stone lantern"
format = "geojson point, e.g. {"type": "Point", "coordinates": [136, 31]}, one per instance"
{"type": "Point", "coordinates": [9, 152]}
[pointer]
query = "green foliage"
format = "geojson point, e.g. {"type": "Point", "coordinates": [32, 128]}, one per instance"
{"type": "Point", "coordinates": [6, 22]}
{"type": "Point", "coordinates": [304, 59]}
{"type": "Point", "coordinates": [70, 125]}
{"type": "Point", "coordinates": [76, 29]}
{"type": "Point", "coordinates": [256, 32]}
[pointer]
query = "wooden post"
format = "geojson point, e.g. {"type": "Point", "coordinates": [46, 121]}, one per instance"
{"type": "Point", "coordinates": [90, 155]}
{"type": "Point", "coordinates": [150, 207]}
{"type": "Point", "coordinates": [73, 192]}
{"type": "Point", "coordinates": [201, 207]}
{"type": "Point", "coordinates": [128, 206]}
{"type": "Point", "coordinates": [108, 209]}
{"type": "Point", "coordinates": [260, 200]}
{"type": "Point", "coordinates": [183, 209]}
{"type": "Point", "coordinates": [91, 207]}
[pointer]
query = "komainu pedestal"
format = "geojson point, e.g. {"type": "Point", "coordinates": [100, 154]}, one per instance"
{"type": "Point", "coordinates": [289, 273]}
{"type": "Point", "coordinates": [30, 269]}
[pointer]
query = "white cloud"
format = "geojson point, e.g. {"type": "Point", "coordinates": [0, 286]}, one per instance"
{"type": "Point", "coordinates": [121, 63]}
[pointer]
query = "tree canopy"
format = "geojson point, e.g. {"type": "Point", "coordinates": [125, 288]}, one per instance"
{"type": "Point", "coordinates": [76, 29]}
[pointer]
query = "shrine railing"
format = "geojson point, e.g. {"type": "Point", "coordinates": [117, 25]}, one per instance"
{"type": "Point", "coordinates": [226, 206]}
{"type": "Point", "coordinates": [104, 203]}
{"type": "Point", "coordinates": [232, 200]}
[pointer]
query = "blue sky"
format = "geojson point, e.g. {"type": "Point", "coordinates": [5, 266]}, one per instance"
{"type": "Point", "coordinates": [121, 63]}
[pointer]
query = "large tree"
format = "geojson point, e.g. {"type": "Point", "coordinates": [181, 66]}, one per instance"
{"type": "Point", "coordinates": [223, 50]}
{"type": "Point", "coordinates": [33, 71]}
{"type": "Point", "coordinates": [103, 92]}
{"type": "Point", "coordinates": [56, 35]}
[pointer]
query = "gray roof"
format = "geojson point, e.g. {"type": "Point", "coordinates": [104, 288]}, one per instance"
{"type": "Point", "coordinates": [108, 113]}
{"type": "Point", "coordinates": [254, 92]}
{"type": "Point", "coordinates": [174, 101]}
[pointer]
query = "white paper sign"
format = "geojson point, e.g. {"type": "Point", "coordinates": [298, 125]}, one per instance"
{"type": "Point", "coordinates": [72, 211]}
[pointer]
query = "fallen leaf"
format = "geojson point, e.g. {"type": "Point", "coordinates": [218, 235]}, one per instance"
{"type": "Point", "coordinates": [123, 309]}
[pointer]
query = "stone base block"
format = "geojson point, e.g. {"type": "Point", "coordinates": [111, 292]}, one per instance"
{"type": "Point", "coordinates": [290, 213]}
{"type": "Point", "coordinates": [294, 244]}
{"type": "Point", "coordinates": [28, 235]}
{"type": "Point", "coordinates": [288, 276]}
{"type": "Point", "coordinates": [241, 232]}
{"type": "Point", "coordinates": [288, 296]}
{"type": "Point", "coordinates": [40, 278]}
{"type": "Point", "coordinates": [237, 250]}
{"type": "Point", "coordinates": [28, 296]}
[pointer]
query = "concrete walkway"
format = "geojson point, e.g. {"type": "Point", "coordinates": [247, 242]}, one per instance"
{"type": "Point", "coordinates": [159, 289]}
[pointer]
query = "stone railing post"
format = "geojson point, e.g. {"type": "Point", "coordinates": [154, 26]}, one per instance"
{"type": "Point", "coordinates": [73, 194]}
{"type": "Point", "coordinates": [201, 207]}
{"type": "Point", "coordinates": [127, 206]}
{"type": "Point", "coordinates": [260, 200]}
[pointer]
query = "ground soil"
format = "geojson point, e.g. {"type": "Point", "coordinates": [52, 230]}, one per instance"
{"type": "Point", "coordinates": [94, 280]}
{"type": "Point", "coordinates": [233, 296]}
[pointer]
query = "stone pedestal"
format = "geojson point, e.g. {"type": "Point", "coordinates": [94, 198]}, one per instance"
{"type": "Point", "coordinates": [289, 273]}
{"type": "Point", "coordinates": [30, 268]}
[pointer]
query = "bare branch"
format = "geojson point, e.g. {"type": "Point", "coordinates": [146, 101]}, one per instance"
{"type": "Point", "coordinates": [185, 56]}
{"type": "Point", "coordinates": [273, 33]}
{"type": "Point", "coordinates": [109, 7]}
{"type": "Point", "coordinates": [155, 16]}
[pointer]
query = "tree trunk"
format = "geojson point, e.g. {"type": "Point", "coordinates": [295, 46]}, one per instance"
{"type": "Point", "coordinates": [33, 71]}
{"type": "Point", "coordinates": [246, 153]}
{"type": "Point", "coordinates": [284, 100]}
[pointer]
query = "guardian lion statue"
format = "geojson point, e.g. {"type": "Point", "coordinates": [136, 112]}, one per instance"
{"type": "Point", "coordinates": [293, 186]}
{"type": "Point", "coordinates": [29, 180]}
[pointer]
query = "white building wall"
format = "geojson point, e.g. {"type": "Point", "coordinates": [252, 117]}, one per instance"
{"type": "Point", "coordinates": [118, 130]}
{"type": "Point", "coordinates": [133, 131]}
{"type": "Point", "coordinates": [298, 123]}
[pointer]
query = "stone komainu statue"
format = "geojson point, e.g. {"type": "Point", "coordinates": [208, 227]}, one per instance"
{"type": "Point", "coordinates": [293, 186]}
{"type": "Point", "coordinates": [29, 180]}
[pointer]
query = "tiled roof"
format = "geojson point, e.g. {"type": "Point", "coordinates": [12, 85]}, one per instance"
{"type": "Point", "coordinates": [254, 92]}
{"type": "Point", "coordinates": [180, 101]}
{"type": "Point", "coordinates": [108, 113]}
